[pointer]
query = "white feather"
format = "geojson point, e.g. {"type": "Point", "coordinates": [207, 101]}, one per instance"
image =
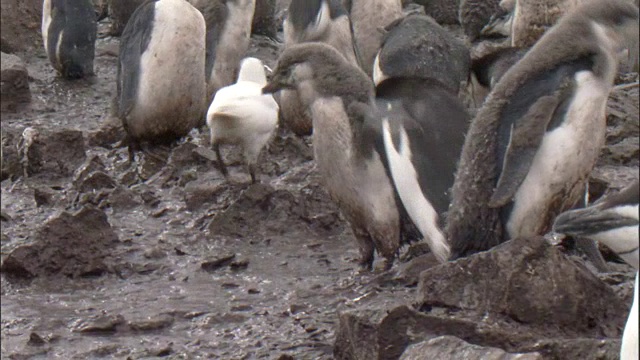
{"type": "Point", "coordinates": [629, 349]}
{"type": "Point", "coordinates": [46, 22]}
{"type": "Point", "coordinates": [378, 75]}
{"type": "Point", "coordinates": [417, 205]}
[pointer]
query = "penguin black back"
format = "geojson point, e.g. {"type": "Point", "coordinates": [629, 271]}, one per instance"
{"type": "Point", "coordinates": [416, 46]}
{"type": "Point", "coordinates": [134, 41]}
{"type": "Point", "coordinates": [435, 121]}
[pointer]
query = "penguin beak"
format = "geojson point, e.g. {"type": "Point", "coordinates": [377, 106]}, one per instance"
{"type": "Point", "coordinates": [278, 82]}
{"type": "Point", "coordinates": [499, 24]}
{"type": "Point", "coordinates": [591, 221]}
{"type": "Point", "coordinates": [271, 87]}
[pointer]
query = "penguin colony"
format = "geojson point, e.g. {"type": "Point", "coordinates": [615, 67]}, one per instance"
{"type": "Point", "coordinates": [380, 93]}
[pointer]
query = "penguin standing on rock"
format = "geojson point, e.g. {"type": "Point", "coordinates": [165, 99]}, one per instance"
{"type": "Point", "coordinates": [69, 31]}
{"type": "Point", "coordinates": [612, 221]}
{"type": "Point", "coordinates": [323, 21]}
{"type": "Point", "coordinates": [532, 145]}
{"type": "Point", "coordinates": [160, 83]}
{"type": "Point", "coordinates": [423, 126]}
{"type": "Point", "coordinates": [241, 114]}
{"type": "Point", "coordinates": [339, 96]}
{"type": "Point", "coordinates": [228, 25]}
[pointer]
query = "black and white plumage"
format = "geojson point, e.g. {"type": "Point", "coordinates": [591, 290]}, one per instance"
{"type": "Point", "coordinates": [530, 149]}
{"type": "Point", "coordinates": [613, 221]}
{"type": "Point", "coordinates": [161, 83]}
{"type": "Point", "coordinates": [323, 21]}
{"type": "Point", "coordinates": [69, 31]}
{"type": "Point", "coordinates": [368, 20]}
{"type": "Point", "coordinates": [416, 46]}
{"type": "Point", "coordinates": [241, 114]}
{"type": "Point", "coordinates": [339, 96]}
{"type": "Point", "coordinates": [423, 126]}
{"type": "Point", "coordinates": [228, 34]}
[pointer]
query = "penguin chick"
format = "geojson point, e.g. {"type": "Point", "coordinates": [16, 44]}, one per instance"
{"type": "Point", "coordinates": [423, 125]}
{"type": "Point", "coordinates": [69, 31]}
{"type": "Point", "coordinates": [474, 15]}
{"type": "Point", "coordinates": [532, 145]}
{"type": "Point", "coordinates": [323, 21]}
{"type": "Point", "coordinates": [490, 68]}
{"type": "Point", "coordinates": [416, 46]}
{"type": "Point", "coordinates": [351, 169]}
{"type": "Point", "coordinates": [160, 82]}
{"type": "Point", "coordinates": [241, 114]}
{"type": "Point", "coordinates": [613, 221]}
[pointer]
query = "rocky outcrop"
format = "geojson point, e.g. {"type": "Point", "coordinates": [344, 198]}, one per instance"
{"type": "Point", "coordinates": [20, 25]}
{"type": "Point", "coordinates": [523, 296]}
{"type": "Point", "coordinates": [14, 80]}
{"type": "Point", "coordinates": [68, 244]}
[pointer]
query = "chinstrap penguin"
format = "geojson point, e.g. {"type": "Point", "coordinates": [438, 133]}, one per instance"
{"type": "Point", "coordinates": [241, 114]}
{"type": "Point", "coordinates": [531, 147]}
{"type": "Point", "coordinates": [69, 31]}
{"type": "Point", "coordinates": [160, 82]}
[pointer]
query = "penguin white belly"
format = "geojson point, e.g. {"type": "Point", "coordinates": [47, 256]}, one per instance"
{"type": "Point", "coordinates": [417, 205]}
{"type": "Point", "coordinates": [566, 156]}
{"type": "Point", "coordinates": [170, 80]}
{"type": "Point", "coordinates": [46, 22]}
{"type": "Point", "coordinates": [614, 240]}
{"type": "Point", "coordinates": [629, 349]}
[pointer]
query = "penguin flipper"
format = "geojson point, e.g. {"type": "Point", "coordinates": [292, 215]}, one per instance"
{"type": "Point", "coordinates": [525, 138]}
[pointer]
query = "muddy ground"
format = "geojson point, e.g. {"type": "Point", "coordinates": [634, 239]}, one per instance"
{"type": "Point", "coordinates": [172, 260]}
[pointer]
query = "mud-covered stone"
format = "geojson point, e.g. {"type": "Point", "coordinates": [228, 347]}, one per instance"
{"type": "Point", "coordinates": [123, 199]}
{"type": "Point", "coordinates": [20, 25]}
{"type": "Point", "coordinates": [68, 244]}
{"type": "Point", "coordinates": [529, 281]}
{"type": "Point", "coordinates": [11, 164]}
{"type": "Point", "coordinates": [452, 348]}
{"type": "Point", "coordinates": [14, 83]}
{"type": "Point", "coordinates": [55, 153]}
{"type": "Point", "coordinates": [607, 178]}
{"type": "Point", "coordinates": [264, 18]}
{"type": "Point", "coordinates": [108, 134]}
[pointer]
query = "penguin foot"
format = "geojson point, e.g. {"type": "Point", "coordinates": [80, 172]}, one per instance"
{"type": "Point", "coordinates": [252, 172]}
{"type": "Point", "coordinates": [221, 166]}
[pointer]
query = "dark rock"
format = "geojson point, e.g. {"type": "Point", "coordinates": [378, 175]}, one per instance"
{"type": "Point", "coordinates": [607, 178]}
{"type": "Point", "coordinates": [71, 245]}
{"type": "Point", "coordinates": [386, 333]}
{"type": "Point", "coordinates": [4, 216]}
{"type": "Point", "coordinates": [452, 348]}
{"type": "Point", "coordinates": [120, 12]}
{"type": "Point", "coordinates": [531, 282]}
{"type": "Point", "coordinates": [197, 195]}
{"type": "Point", "coordinates": [625, 152]}
{"type": "Point", "coordinates": [20, 25]}
{"type": "Point", "coordinates": [43, 195]}
{"type": "Point", "coordinates": [264, 19]}
{"type": "Point", "coordinates": [11, 157]}
{"type": "Point", "coordinates": [97, 181]}
{"type": "Point", "coordinates": [238, 265]}
{"type": "Point", "coordinates": [214, 264]}
{"type": "Point", "coordinates": [158, 322]}
{"type": "Point", "coordinates": [100, 324]}
{"type": "Point", "coordinates": [36, 340]}
{"type": "Point", "coordinates": [108, 134]}
{"type": "Point", "coordinates": [14, 83]}
{"type": "Point", "coordinates": [408, 273]}
{"type": "Point", "coordinates": [89, 166]}
{"type": "Point", "coordinates": [55, 153]}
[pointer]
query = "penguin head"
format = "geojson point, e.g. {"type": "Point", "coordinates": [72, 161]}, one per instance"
{"type": "Point", "coordinates": [618, 22]}
{"type": "Point", "coordinates": [313, 63]}
{"type": "Point", "coordinates": [252, 69]}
